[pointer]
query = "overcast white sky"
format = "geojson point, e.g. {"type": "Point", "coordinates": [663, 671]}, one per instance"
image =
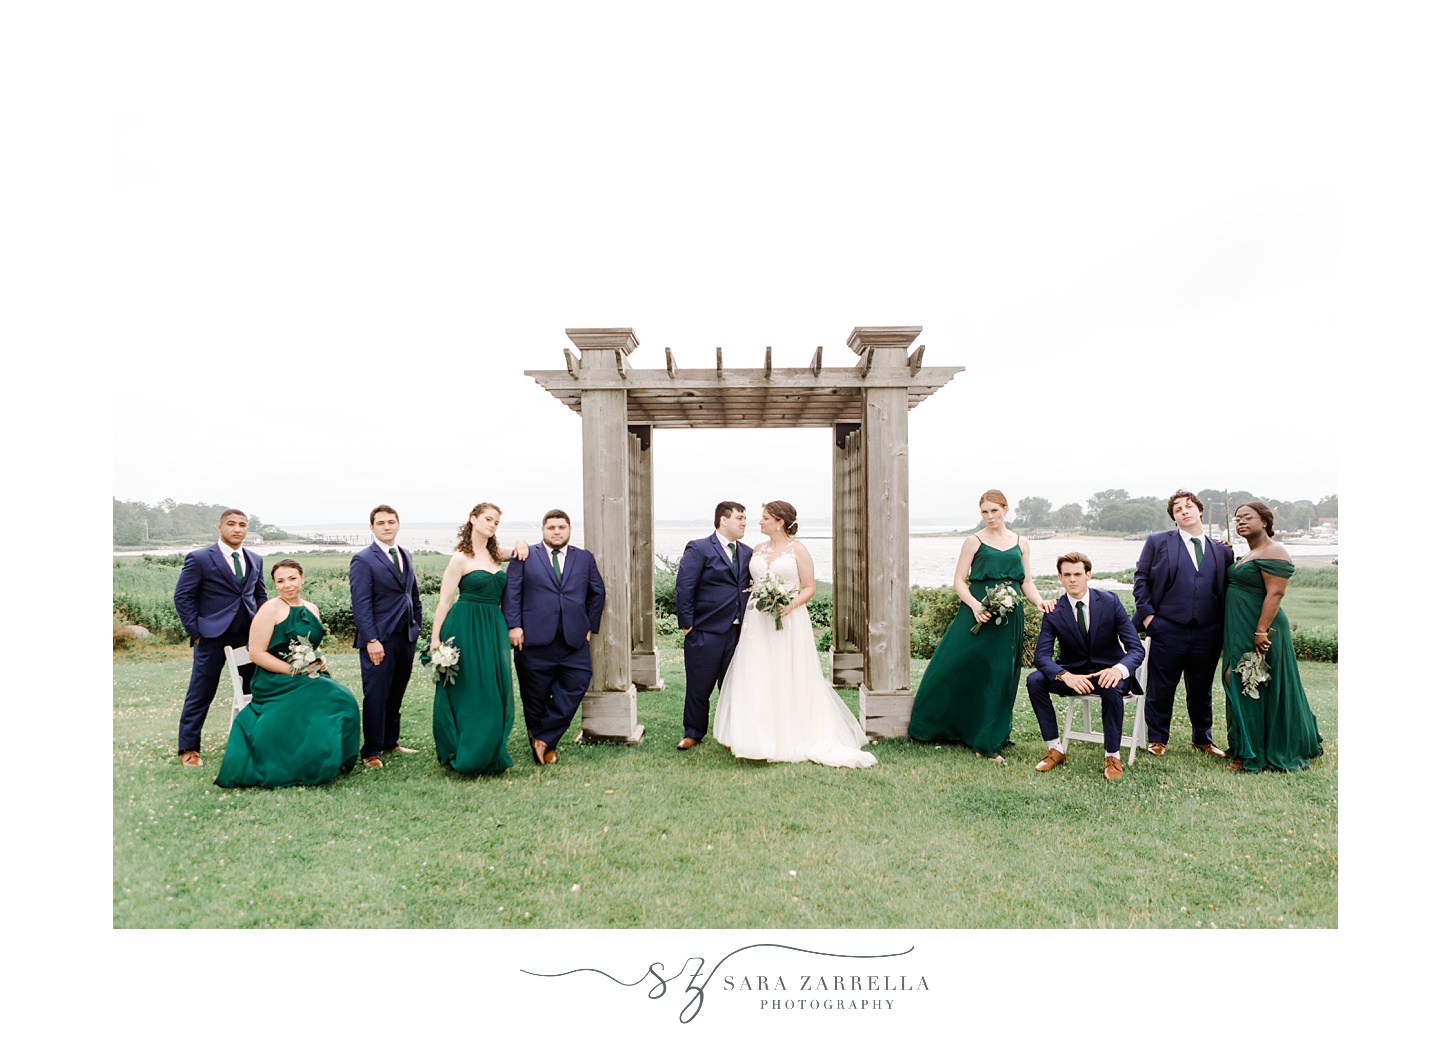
{"type": "Point", "coordinates": [353, 230]}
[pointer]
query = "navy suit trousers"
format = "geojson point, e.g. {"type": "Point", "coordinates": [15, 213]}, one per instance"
{"type": "Point", "coordinates": [1041, 690]}
{"type": "Point", "coordinates": [208, 659]}
{"type": "Point", "coordinates": [383, 687]}
{"type": "Point", "coordinates": [553, 678]}
{"type": "Point", "coordinates": [1191, 652]}
{"type": "Point", "coordinates": [707, 657]}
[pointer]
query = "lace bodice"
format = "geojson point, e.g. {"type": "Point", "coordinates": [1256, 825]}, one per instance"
{"type": "Point", "coordinates": [784, 565]}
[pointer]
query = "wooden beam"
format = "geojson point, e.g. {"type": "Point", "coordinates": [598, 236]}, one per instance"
{"type": "Point", "coordinates": [768, 361]}
{"type": "Point", "coordinates": [719, 364]}
{"type": "Point", "coordinates": [571, 364]}
{"type": "Point", "coordinates": [914, 360]}
{"type": "Point", "coordinates": [669, 364]}
{"type": "Point", "coordinates": [620, 362]}
{"type": "Point", "coordinates": [865, 365]}
{"type": "Point", "coordinates": [816, 362]}
{"type": "Point", "coordinates": [711, 381]}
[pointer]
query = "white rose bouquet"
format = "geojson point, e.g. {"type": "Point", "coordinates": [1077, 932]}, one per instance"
{"type": "Point", "coordinates": [1253, 672]}
{"type": "Point", "coordinates": [301, 655]}
{"type": "Point", "coordinates": [770, 593]}
{"type": "Point", "coordinates": [1000, 601]}
{"type": "Point", "coordinates": [445, 662]}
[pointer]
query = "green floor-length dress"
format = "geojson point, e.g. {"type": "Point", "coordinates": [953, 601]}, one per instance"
{"type": "Point", "coordinates": [298, 729]}
{"type": "Point", "coordinates": [967, 693]}
{"type": "Point", "coordinates": [1277, 730]}
{"type": "Point", "coordinates": [472, 716]}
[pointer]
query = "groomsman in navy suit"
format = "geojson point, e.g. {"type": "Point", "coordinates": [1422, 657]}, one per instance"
{"type": "Point", "coordinates": [1098, 652]}
{"type": "Point", "coordinates": [553, 603]}
{"type": "Point", "coordinates": [220, 588]}
{"type": "Point", "coordinates": [711, 587]}
{"type": "Point", "coordinates": [1179, 588]}
{"type": "Point", "coordinates": [388, 613]}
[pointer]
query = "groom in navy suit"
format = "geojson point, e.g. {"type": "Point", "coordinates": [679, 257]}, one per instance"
{"type": "Point", "coordinates": [388, 613]}
{"type": "Point", "coordinates": [1179, 587]}
{"type": "Point", "coordinates": [711, 587]}
{"type": "Point", "coordinates": [219, 590]}
{"type": "Point", "coordinates": [1098, 652]}
{"type": "Point", "coordinates": [553, 603]}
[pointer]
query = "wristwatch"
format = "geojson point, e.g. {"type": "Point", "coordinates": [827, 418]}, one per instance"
{"type": "Point", "coordinates": [1061, 674]}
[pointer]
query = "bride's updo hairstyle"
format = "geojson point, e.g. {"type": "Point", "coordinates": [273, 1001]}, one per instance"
{"type": "Point", "coordinates": [992, 495]}
{"type": "Point", "coordinates": [466, 533]}
{"type": "Point", "coordinates": [783, 512]}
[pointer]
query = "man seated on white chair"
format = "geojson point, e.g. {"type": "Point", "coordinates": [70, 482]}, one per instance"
{"type": "Point", "coordinates": [1098, 652]}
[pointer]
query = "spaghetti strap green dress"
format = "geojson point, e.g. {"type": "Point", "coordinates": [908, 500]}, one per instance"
{"type": "Point", "coordinates": [967, 693]}
{"type": "Point", "coordinates": [472, 716]}
{"type": "Point", "coordinates": [1276, 731]}
{"type": "Point", "coordinates": [298, 729]}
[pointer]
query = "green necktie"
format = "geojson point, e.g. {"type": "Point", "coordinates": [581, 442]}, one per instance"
{"type": "Point", "coordinates": [237, 564]}
{"type": "Point", "coordinates": [1198, 550]}
{"type": "Point", "coordinates": [393, 553]}
{"type": "Point", "coordinates": [735, 564]}
{"type": "Point", "coordinates": [558, 572]}
{"type": "Point", "coordinates": [1082, 622]}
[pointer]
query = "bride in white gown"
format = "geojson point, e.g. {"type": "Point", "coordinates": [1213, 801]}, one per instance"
{"type": "Point", "coordinates": [775, 704]}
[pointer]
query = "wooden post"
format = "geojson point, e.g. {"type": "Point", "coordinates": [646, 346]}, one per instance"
{"type": "Point", "coordinates": [644, 659]}
{"type": "Point", "coordinates": [886, 690]}
{"type": "Point", "coordinates": [846, 556]}
{"type": "Point", "coordinates": [608, 711]}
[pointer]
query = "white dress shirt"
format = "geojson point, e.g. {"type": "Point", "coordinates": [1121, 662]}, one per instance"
{"type": "Point", "coordinates": [227, 553]}
{"type": "Point", "coordinates": [385, 548]}
{"type": "Point", "coordinates": [1203, 544]}
{"type": "Point", "coordinates": [1087, 621]}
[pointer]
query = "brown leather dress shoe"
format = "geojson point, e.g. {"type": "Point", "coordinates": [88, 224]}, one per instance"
{"type": "Point", "coordinates": [1113, 768]}
{"type": "Point", "coordinates": [1053, 759]}
{"type": "Point", "coordinates": [688, 743]}
{"type": "Point", "coordinates": [550, 756]}
{"type": "Point", "coordinates": [1157, 748]}
{"type": "Point", "coordinates": [1236, 764]}
{"type": "Point", "coordinates": [372, 761]}
{"type": "Point", "coordinates": [1209, 748]}
{"type": "Point", "coordinates": [191, 758]}
{"type": "Point", "coordinates": [402, 749]}
{"type": "Point", "coordinates": [540, 749]}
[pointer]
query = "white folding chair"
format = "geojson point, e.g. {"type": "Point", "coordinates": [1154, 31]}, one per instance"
{"type": "Point", "coordinates": [1082, 706]}
{"type": "Point", "coordinates": [238, 657]}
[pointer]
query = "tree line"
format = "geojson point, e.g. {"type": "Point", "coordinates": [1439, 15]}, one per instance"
{"type": "Point", "coordinates": [1114, 510]}
{"type": "Point", "coordinates": [142, 524]}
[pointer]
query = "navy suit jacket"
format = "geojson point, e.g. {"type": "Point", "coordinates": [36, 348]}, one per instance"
{"type": "Point", "coordinates": [208, 594]}
{"type": "Point", "coordinates": [1111, 639]}
{"type": "Point", "coordinates": [383, 598]}
{"type": "Point", "coordinates": [1157, 590]}
{"type": "Point", "coordinates": [546, 607]}
{"type": "Point", "coordinates": [709, 594]}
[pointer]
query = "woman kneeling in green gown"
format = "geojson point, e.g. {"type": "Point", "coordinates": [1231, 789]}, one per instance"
{"type": "Point", "coordinates": [301, 727]}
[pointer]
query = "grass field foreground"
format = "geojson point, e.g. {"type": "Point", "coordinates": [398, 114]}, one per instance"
{"type": "Point", "coordinates": [645, 836]}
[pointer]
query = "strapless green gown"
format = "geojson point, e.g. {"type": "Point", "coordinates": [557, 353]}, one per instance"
{"type": "Point", "coordinates": [472, 717]}
{"type": "Point", "coordinates": [298, 729]}
{"type": "Point", "coordinates": [967, 693]}
{"type": "Point", "coordinates": [1276, 731]}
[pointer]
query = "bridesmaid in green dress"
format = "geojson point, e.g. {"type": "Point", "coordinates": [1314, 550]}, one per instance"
{"type": "Point", "coordinates": [473, 715]}
{"type": "Point", "coordinates": [967, 693]}
{"type": "Point", "coordinates": [301, 727]}
{"type": "Point", "coordinates": [1276, 730]}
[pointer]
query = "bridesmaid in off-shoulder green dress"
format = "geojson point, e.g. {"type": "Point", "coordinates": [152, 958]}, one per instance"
{"type": "Point", "coordinates": [1273, 729]}
{"type": "Point", "coordinates": [967, 693]}
{"type": "Point", "coordinates": [473, 715]}
{"type": "Point", "coordinates": [299, 728]}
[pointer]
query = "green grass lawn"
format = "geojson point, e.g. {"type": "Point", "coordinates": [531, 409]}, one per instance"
{"type": "Point", "coordinates": [645, 836]}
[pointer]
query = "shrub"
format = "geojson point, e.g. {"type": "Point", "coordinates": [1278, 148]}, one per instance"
{"type": "Point", "coordinates": [823, 640]}
{"type": "Point", "coordinates": [1317, 643]}
{"type": "Point", "coordinates": [668, 633]}
{"type": "Point", "coordinates": [1320, 578]}
{"type": "Point", "coordinates": [819, 608]}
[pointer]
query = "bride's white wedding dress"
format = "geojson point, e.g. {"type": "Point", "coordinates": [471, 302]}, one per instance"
{"type": "Point", "coordinates": [775, 704]}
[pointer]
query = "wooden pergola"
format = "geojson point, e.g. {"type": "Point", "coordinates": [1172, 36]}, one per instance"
{"type": "Point", "coordinates": [865, 406]}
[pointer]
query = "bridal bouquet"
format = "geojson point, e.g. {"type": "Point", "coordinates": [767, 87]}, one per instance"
{"type": "Point", "coordinates": [1253, 673]}
{"type": "Point", "coordinates": [445, 662]}
{"type": "Point", "coordinates": [1000, 600]}
{"type": "Point", "coordinates": [301, 655]}
{"type": "Point", "coordinates": [770, 593]}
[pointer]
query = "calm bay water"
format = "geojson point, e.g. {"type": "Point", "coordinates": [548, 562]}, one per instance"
{"type": "Point", "coordinates": [932, 558]}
